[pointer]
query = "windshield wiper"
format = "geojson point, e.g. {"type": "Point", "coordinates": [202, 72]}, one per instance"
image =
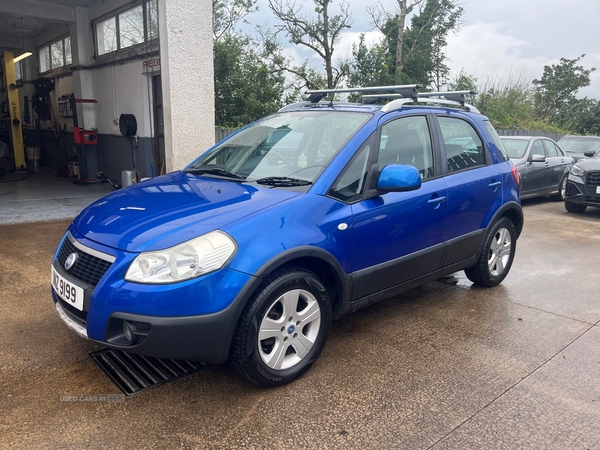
{"type": "Point", "coordinates": [283, 181]}
{"type": "Point", "coordinates": [215, 171]}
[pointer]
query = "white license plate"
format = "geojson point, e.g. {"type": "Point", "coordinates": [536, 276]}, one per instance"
{"type": "Point", "coordinates": [597, 189]}
{"type": "Point", "coordinates": [66, 290]}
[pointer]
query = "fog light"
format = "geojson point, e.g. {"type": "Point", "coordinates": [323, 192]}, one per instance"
{"type": "Point", "coordinates": [128, 331]}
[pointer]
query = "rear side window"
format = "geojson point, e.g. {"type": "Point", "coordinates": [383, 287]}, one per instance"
{"type": "Point", "coordinates": [551, 149]}
{"type": "Point", "coordinates": [464, 148]}
{"type": "Point", "coordinates": [496, 139]}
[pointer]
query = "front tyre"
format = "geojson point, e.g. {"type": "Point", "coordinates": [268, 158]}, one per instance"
{"type": "Point", "coordinates": [283, 329]}
{"type": "Point", "coordinates": [497, 255]}
{"type": "Point", "coordinates": [575, 207]}
{"type": "Point", "coordinates": [562, 189]}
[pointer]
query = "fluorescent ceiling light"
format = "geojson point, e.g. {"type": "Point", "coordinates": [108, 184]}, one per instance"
{"type": "Point", "coordinates": [22, 56]}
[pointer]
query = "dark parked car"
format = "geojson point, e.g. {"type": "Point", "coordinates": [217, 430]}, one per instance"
{"type": "Point", "coordinates": [542, 165]}
{"type": "Point", "coordinates": [583, 189]}
{"type": "Point", "coordinates": [576, 146]}
{"type": "Point", "coordinates": [302, 217]}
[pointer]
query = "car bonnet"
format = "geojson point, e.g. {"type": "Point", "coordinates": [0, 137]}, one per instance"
{"type": "Point", "coordinates": [171, 209]}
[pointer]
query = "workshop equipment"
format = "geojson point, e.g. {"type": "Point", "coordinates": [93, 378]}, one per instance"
{"type": "Point", "coordinates": [68, 107]}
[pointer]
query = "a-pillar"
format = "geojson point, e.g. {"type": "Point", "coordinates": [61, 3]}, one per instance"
{"type": "Point", "coordinates": [186, 59]}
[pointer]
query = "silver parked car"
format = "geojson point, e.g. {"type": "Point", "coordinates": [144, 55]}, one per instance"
{"type": "Point", "coordinates": [542, 165]}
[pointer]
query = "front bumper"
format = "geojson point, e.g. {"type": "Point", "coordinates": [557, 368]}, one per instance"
{"type": "Point", "coordinates": [193, 320]}
{"type": "Point", "coordinates": [580, 193]}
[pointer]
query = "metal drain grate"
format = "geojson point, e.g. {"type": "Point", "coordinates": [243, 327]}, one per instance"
{"type": "Point", "coordinates": [136, 373]}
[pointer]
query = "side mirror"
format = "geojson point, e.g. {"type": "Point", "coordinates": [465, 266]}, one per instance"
{"type": "Point", "coordinates": [538, 158]}
{"type": "Point", "coordinates": [589, 153]}
{"type": "Point", "coordinates": [399, 178]}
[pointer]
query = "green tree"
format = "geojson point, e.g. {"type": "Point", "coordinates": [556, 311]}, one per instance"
{"type": "Point", "coordinates": [393, 24]}
{"type": "Point", "coordinates": [369, 66]}
{"type": "Point", "coordinates": [416, 52]}
{"type": "Point", "coordinates": [247, 86]}
{"type": "Point", "coordinates": [320, 34]}
{"type": "Point", "coordinates": [555, 91]}
{"type": "Point", "coordinates": [582, 116]}
{"type": "Point", "coordinates": [463, 82]}
{"type": "Point", "coordinates": [509, 104]}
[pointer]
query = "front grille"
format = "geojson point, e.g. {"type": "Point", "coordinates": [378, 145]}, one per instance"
{"type": "Point", "coordinates": [87, 268]}
{"type": "Point", "coordinates": [593, 179]}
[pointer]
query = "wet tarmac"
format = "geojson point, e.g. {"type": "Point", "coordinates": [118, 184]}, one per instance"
{"type": "Point", "coordinates": [444, 366]}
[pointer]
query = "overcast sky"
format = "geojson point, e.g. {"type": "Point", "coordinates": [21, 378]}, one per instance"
{"type": "Point", "coordinates": [499, 38]}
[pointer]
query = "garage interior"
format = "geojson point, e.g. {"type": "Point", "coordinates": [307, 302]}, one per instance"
{"type": "Point", "coordinates": [81, 93]}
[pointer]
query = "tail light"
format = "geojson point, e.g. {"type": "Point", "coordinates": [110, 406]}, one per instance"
{"type": "Point", "coordinates": [515, 174]}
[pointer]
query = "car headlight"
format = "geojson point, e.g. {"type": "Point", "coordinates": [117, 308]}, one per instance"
{"type": "Point", "coordinates": [191, 259]}
{"type": "Point", "coordinates": [577, 171]}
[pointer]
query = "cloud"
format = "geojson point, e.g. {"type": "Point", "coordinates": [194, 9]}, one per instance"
{"type": "Point", "coordinates": [486, 51]}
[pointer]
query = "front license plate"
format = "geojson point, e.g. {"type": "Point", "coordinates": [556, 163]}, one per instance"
{"type": "Point", "coordinates": [597, 189]}
{"type": "Point", "coordinates": [66, 290]}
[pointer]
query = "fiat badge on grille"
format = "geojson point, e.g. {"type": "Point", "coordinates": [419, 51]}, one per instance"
{"type": "Point", "coordinates": [70, 261]}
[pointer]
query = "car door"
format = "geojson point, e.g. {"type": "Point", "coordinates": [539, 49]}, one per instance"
{"type": "Point", "coordinates": [474, 188]}
{"type": "Point", "coordinates": [397, 235]}
{"type": "Point", "coordinates": [557, 165]}
{"type": "Point", "coordinates": [537, 173]}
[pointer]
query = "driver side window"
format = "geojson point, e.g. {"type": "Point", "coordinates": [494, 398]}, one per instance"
{"type": "Point", "coordinates": [538, 149]}
{"type": "Point", "coordinates": [407, 141]}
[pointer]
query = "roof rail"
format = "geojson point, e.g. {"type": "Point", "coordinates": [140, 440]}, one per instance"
{"type": "Point", "coordinates": [455, 96]}
{"type": "Point", "coordinates": [397, 104]}
{"type": "Point", "coordinates": [405, 91]}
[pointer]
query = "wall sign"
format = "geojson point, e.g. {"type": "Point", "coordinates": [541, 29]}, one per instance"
{"type": "Point", "coordinates": [151, 64]}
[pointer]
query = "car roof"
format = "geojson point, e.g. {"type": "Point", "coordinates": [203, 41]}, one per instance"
{"type": "Point", "coordinates": [520, 137]}
{"type": "Point", "coordinates": [582, 138]}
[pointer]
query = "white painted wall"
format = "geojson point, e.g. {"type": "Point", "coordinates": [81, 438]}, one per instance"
{"type": "Point", "coordinates": [186, 49]}
{"type": "Point", "coordinates": [122, 89]}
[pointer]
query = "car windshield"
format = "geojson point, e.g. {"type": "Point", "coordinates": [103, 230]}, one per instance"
{"type": "Point", "coordinates": [579, 144]}
{"type": "Point", "coordinates": [282, 149]}
{"type": "Point", "coordinates": [516, 148]}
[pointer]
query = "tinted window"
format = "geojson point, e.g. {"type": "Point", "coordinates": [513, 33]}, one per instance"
{"type": "Point", "coordinates": [464, 148]}
{"type": "Point", "coordinates": [407, 141]}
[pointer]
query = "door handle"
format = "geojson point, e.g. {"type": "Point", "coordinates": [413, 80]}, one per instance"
{"type": "Point", "coordinates": [546, 163]}
{"type": "Point", "coordinates": [494, 184]}
{"type": "Point", "coordinates": [436, 201]}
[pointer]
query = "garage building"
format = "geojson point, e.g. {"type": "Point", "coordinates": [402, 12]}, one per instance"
{"type": "Point", "coordinates": [105, 86]}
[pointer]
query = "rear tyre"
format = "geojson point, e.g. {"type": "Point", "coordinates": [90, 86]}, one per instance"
{"type": "Point", "coordinates": [497, 255]}
{"type": "Point", "coordinates": [562, 190]}
{"type": "Point", "coordinates": [575, 207]}
{"type": "Point", "coordinates": [283, 328]}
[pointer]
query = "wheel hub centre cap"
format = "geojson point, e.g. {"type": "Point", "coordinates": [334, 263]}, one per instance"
{"type": "Point", "coordinates": [291, 329]}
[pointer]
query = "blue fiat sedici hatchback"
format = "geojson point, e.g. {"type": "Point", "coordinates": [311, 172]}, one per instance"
{"type": "Point", "coordinates": [309, 214]}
